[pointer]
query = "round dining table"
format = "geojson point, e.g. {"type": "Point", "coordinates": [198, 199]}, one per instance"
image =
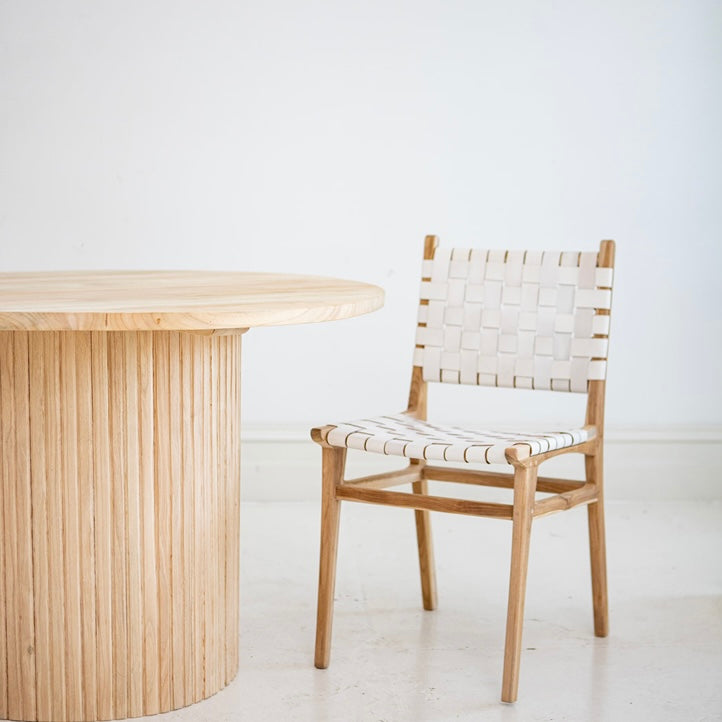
{"type": "Point", "coordinates": [120, 479]}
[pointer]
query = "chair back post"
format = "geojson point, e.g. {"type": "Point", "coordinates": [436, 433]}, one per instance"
{"type": "Point", "coordinates": [418, 389]}
{"type": "Point", "coordinates": [596, 389]}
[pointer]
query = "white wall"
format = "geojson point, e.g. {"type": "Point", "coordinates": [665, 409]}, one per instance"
{"type": "Point", "coordinates": [329, 137]}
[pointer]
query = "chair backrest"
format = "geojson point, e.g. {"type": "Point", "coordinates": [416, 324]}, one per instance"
{"type": "Point", "coordinates": [520, 319]}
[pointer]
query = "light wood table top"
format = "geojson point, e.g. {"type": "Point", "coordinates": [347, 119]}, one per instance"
{"type": "Point", "coordinates": [175, 300]}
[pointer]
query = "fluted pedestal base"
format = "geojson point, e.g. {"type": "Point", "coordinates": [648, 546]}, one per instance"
{"type": "Point", "coordinates": [119, 515]}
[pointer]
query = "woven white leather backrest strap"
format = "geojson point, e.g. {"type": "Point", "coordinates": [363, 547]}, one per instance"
{"type": "Point", "coordinates": [524, 319]}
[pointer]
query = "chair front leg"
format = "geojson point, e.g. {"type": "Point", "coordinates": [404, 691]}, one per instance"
{"type": "Point", "coordinates": [524, 488]}
{"type": "Point", "coordinates": [597, 544]}
{"type": "Point", "coordinates": [424, 542]}
{"type": "Point", "coordinates": [334, 460]}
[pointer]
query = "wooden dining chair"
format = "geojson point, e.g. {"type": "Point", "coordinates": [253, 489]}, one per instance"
{"type": "Point", "coordinates": [528, 320]}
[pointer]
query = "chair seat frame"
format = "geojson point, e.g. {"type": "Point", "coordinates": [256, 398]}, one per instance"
{"type": "Point", "coordinates": [523, 480]}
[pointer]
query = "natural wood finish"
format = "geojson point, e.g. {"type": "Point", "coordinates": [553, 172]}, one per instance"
{"type": "Point", "coordinates": [333, 465]}
{"type": "Point", "coordinates": [175, 300]}
{"type": "Point", "coordinates": [117, 597]}
{"type": "Point", "coordinates": [521, 453]}
{"type": "Point", "coordinates": [524, 486]}
{"type": "Point", "coordinates": [197, 405]}
{"type": "Point", "coordinates": [418, 390]}
{"type": "Point", "coordinates": [566, 500]}
{"type": "Point", "coordinates": [597, 545]}
{"type": "Point", "coordinates": [146, 400]}
{"type": "Point", "coordinates": [418, 399]}
{"type": "Point", "coordinates": [388, 479]}
{"type": "Point", "coordinates": [119, 481]}
{"type": "Point", "coordinates": [525, 483]}
{"type": "Point", "coordinates": [3, 593]}
{"type": "Point", "coordinates": [103, 540]}
{"type": "Point", "coordinates": [427, 568]}
{"type": "Point", "coordinates": [133, 494]}
{"type": "Point", "coordinates": [72, 552]}
{"type": "Point", "coordinates": [595, 389]}
{"type": "Point", "coordinates": [86, 511]}
{"type": "Point", "coordinates": [418, 393]}
{"type": "Point", "coordinates": [497, 479]}
{"type": "Point", "coordinates": [593, 464]}
{"type": "Point", "coordinates": [567, 492]}
{"type": "Point", "coordinates": [429, 503]}
{"type": "Point", "coordinates": [39, 489]}
{"type": "Point", "coordinates": [16, 490]}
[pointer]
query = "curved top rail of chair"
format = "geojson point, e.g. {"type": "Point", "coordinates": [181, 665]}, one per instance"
{"type": "Point", "coordinates": [175, 300]}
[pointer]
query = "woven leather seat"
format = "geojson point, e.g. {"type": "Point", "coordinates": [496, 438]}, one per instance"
{"type": "Point", "coordinates": [404, 435]}
{"type": "Point", "coordinates": [528, 320]}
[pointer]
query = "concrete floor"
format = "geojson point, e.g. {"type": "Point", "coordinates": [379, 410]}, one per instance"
{"type": "Point", "coordinates": [393, 661]}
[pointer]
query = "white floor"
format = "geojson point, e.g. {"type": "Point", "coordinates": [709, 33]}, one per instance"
{"type": "Point", "coordinates": [392, 661]}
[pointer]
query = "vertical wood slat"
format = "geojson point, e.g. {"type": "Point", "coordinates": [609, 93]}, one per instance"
{"type": "Point", "coordinates": [176, 518]}
{"type": "Point", "coordinates": [26, 634]}
{"type": "Point", "coordinates": [220, 530]}
{"type": "Point", "coordinates": [3, 546]}
{"type": "Point", "coordinates": [54, 481]}
{"type": "Point", "coordinates": [17, 512]}
{"type": "Point", "coordinates": [151, 687]}
{"type": "Point", "coordinates": [209, 484]}
{"type": "Point", "coordinates": [72, 547]}
{"type": "Point", "coordinates": [215, 668]}
{"type": "Point", "coordinates": [86, 508]}
{"type": "Point", "coordinates": [134, 550]}
{"type": "Point", "coordinates": [103, 524]}
{"type": "Point", "coordinates": [236, 537]}
{"type": "Point", "coordinates": [38, 466]}
{"type": "Point", "coordinates": [17, 493]}
{"type": "Point", "coordinates": [119, 466]}
{"type": "Point", "coordinates": [118, 431]}
{"type": "Point", "coordinates": [199, 484]}
{"type": "Point", "coordinates": [233, 495]}
{"type": "Point", "coordinates": [161, 351]}
{"type": "Point", "coordinates": [188, 537]}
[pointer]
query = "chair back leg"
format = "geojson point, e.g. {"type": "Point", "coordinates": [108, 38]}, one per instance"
{"type": "Point", "coordinates": [427, 567]}
{"type": "Point", "coordinates": [524, 487]}
{"type": "Point", "coordinates": [597, 545]}
{"type": "Point", "coordinates": [333, 462]}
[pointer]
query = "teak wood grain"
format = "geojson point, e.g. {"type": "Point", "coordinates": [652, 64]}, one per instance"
{"type": "Point", "coordinates": [175, 300]}
{"type": "Point", "coordinates": [120, 545]}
